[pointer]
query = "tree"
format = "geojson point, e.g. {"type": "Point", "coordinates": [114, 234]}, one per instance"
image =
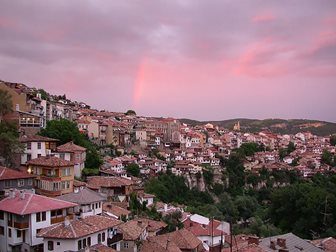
{"type": "Point", "coordinates": [290, 148]}
{"type": "Point", "coordinates": [10, 145]}
{"type": "Point", "coordinates": [5, 103]}
{"type": "Point", "coordinates": [333, 140]}
{"type": "Point", "coordinates": [327, 158]}
{"type": "Point", "coordinates": [130, 112]}
{"type": "Point", "coordinates": [133, 169]}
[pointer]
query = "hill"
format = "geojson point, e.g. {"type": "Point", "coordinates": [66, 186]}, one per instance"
{"type": "Point", "coordinates": [281, 126]}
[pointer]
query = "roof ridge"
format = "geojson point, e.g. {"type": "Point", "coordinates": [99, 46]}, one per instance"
{"type": "Point", "coordinates": [73, 230]}
{"type": "Point", "coordinates": [28, 201]}
{"type": "Point", "coordinates": [3, 171]}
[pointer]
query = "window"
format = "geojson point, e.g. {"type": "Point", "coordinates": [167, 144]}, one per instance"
{"type": "Point", "coordinates": [103, 236]}
{"type": "Point", "coordinates": [9, 232]}
{"type": "Point", "coordinates": [62, 156]}
{"type": "Point", "coordinates": [89, 241]}
{"type": "Point", "coordinates": [84, 243]}
{"type": "Point", "coordinates": [79, 244]}
{"type": "Point", "coordinates": [20, 182]}
{"type": "Point", "coordinates": [1, 215]}
{"type": "Point", "coordinates": [125, 244]}
{"type": "Point", "coordinates": [30, 182]}
{"type": "Point", "coordinates": [39, 155]}
{"type": "Point", "coordinates": [38, 230]}
{"type": "Point", "coordinates": [2, 230]}
{"type": "Point", "coordinates": [38, 217]}
{"type": "Point", "coordinates": [29, 146]}
{"type": "Point", "coordinates": [39, 145]}
{"type": "Point", "coordinates": [7, 183]}
{"type": "Point", "coordinates": [99, 238]}
{"type": "Point", "coordinates": [66, 171]}
{"type": "Point", "coordinates": [28, 157]}
{"type": "Point", "coordinates": [50, 245]}
{"type": "Point", "coordinates": [18, 233]}
{"type": "Point", "coordinates": [58, 243]}
{"type": "Point", "coordinates": [96, 205]}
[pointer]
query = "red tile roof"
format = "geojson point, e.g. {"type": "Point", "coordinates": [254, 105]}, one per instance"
{"type": "Point", "coordinates": [95, 182]}
{"type": "Point", "coordinates": [50, 161]}
{"type": "Point", "coordinates": [36, 138]}
{"type": "Point", "coordinates": [115, 210]}
{"type": "Point", "coordinates": [32, 203]}
{"type": "Point", "coordinates": [79, 228]}
{"type": "Point", "coordinates": [70, 147]}
{"type": "Point", "coordinates": [7, 173]}
{"type": "Point", "coordinates": [184, 239]}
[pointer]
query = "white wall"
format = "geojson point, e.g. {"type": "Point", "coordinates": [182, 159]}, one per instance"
{"type": "Point", "coordinates": [34, 151]}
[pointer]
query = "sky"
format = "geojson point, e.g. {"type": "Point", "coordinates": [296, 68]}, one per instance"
{"type": "Point", "coordinates": [199, 59]}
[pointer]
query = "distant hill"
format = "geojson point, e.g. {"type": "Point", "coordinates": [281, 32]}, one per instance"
{"type": "Point", "coordinates": [281, 126]}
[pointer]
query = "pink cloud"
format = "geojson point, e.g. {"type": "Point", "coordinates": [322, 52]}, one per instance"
{"type": "Point", "coordinates": [267, 17]}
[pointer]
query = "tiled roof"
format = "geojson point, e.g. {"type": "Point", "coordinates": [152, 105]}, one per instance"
{"type": "Point", "coordinates": [293, 243]}
{"type": "Point", "coordinates": [36, 138]}
{"type": "Point", "coordinates": [152, 225]}
{"type": "Point", "coordinates": [158, 243]}
{"type": "Point", "coordinates": [70, 147]}
{"type": "Point", "coordinates": [7, 173]}
{"type": "Point", "coordinates": [84, 196]}
{"type": "Point", "coordinates": [114, 209]}
{"type": "Point", "coordinates": [132, 230]}
{"type": "Point", "coordinates": [328, 244]}
{"type": "Point", "coordinates": [79, 228]}
{"type": "Point", "coordinates": [32, 203]}
{"type": "Point", "coordinates": [50, 161]}
{"type": "Point", "coordinates": [78, 183]}
{"type": "Point", "coordinates": [184, 239]}
{"type": "Point", "coordinates": [101, 248]}
{"type": "Point", "coordinates": [95, 182]}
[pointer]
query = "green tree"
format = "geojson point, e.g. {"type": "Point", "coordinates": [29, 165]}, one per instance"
{"type": "Point", "coordinates": [327, 158]}
{"type": "Point", "coordinates": [130, 112]}
{"type": "Point", "coordinates": [246, 206]}
{"type": "Point", "coordinates": [133, 169]}
{"type": "Point", "coordinates": [5, 103]}
{"type": "Point", "coordinates": [333, 140]}
{"type": "Point", "coordinates": [10, 145]}
{"type": "Point", "coordinates": [290, 148]}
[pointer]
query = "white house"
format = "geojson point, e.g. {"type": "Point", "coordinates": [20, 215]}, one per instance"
{"type": "Point", "coordinates": [23, 214]}
{"type": "Point", "coordinates": [79, 234]}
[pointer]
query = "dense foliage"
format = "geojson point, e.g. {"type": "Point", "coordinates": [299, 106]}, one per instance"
{"type": "Point", "coordinates": [133, 169]}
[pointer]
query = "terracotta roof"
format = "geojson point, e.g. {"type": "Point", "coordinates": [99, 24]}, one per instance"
{"type": "Point", "coordinates": [101, 248]}
{"type": "Point", "coordinates": [50, 161]}
{"type": "Point", "coordinates": [32, 203]}
{"type": "Point", "coordinates": [184, 239]}
{"type": "Point", "coordinates": [95, 182]}
{"type": "Point", "coordinates": [36, 138]}
{"type": "Point", "coordinates": [84, 196]}
{"type": "Point", "coordinates": [70, 147]}
{"type": "Point", "coordinates": [79, 228]}
{"type": "Point", "coordinates": [7, 173]}
{"type": "Point", "coordinates": [78, 183]}
{"type": "Point", "coordinates": [152, 225]}
{"type": "Point", "coordinates": [327, 244]}
{"type": "Point", "coordinates": [158, 243]}
{"type": "Point", "coordinates": [115, 210]}
{"type": "Point", "coordinates": [132, 230]}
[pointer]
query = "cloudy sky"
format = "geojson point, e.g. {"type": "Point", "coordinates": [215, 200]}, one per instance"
{"type": "Point", "coordinates": [201, 59]}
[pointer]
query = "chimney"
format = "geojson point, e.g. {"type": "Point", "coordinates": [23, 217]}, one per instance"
{"type": "Point", "coordinates": [165, 207]}
{"type": "Point", "coordinates": [11, 194]}
{"type": "Point", "coordinates": [281, 242]}
{"type": "Point", "coordinates": [22, 195]}
{"type": "Point", "coordinates": [66, 222]}
{"type": "Point", "coordinates": [253, 240]}
{"type": "Point", "coordinates": [272, 245]}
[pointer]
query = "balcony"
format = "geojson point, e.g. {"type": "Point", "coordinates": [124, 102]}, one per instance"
{"type": "Point", "coordinates": [21, 225]}
{"type": "Point", "coordinates": [59, 219]}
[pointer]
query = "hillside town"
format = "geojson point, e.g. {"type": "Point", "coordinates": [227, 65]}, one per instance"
{"type": "Point", "coordinates": [51, 200]}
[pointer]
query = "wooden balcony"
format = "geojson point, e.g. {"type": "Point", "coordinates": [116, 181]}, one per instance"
{"type": "Point", "coordinates": [21, 225]}
{"type": "Point", "coordinates": [59, 219]}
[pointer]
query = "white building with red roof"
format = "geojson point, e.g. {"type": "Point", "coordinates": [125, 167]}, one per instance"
{"type": "Point", "coordinates": [23, 214]}
{"type": "Point", "coordinates": [210, 232]}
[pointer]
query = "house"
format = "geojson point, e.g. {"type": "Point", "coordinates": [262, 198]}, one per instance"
{"type": "Point", "coordinates": [154, 228]}
{"type": "Point", "coordinates": [75, 235]}
{"type": "Point", "coordinates": [146, 197]}
{"type": "Point", "coordinates": [54, 176]}
{"type": "Point", "coordinates": [116, 188]}
{"type": "Point", "coordinates": [327, 244]}
{"type": "Point", "coordinates": [23, 214]}
{"type": "Point", "coordinates": [36, 146]}
{"type": "Point", "coordinates": [73, 153]}
{"type": "Point", "coordinates": [115, 211]}
{"type": "Point", "coordinates": [10, 178]}
{"type": "Point", "coordinates": [89, 202]}
{"type": "Point", "coordinates": [133, 232]}
{"type": "Point", "coordinates": [210, 232]}
{"type": "Point", "coordinates": [158, 243]}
